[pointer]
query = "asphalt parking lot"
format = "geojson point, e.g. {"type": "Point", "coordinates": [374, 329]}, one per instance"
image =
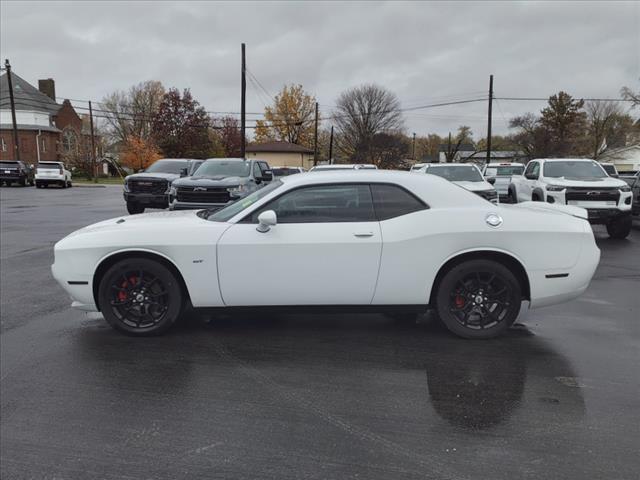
{"type": "Point", "coordinates": [349, 396]}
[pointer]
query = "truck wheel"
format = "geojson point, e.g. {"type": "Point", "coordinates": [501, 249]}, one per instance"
{"type": "Point", "coordinates": [23, 182]}
{"type": "Point", "coordinates": [134, 208]}
{"type": "Point", "coordinates": [140, 296]}
{"type": "Point", "coordinates": [478, 299]}
{"type": "Point", "coordinates": [513, 198]}
{"type": "Point", "coordinates": [620, 227]}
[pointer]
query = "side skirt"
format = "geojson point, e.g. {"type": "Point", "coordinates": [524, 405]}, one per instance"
{"type": "Point", "coordinates": [315, 309]}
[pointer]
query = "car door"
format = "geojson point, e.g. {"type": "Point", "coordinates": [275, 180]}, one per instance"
{"type": "Point", "coordinates": [324, 250]}
{"type": "Point", "coordinates": [525, 188]}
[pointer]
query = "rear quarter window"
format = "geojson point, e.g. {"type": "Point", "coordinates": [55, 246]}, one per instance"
{"type": "Point", "coordinates": [392, 201]}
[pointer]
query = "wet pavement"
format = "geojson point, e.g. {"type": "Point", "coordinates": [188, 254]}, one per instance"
{"type": "Point", "coordinates": [318, 397]}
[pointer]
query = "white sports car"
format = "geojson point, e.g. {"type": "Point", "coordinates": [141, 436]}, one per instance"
{"type": "Point", "coordinates": [371, 240]}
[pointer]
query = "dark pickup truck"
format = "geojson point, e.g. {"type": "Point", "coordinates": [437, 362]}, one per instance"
{"type": "Point", "coordinates": [150, 188]}
{"type": "Point", "coordinates": [218, 182]}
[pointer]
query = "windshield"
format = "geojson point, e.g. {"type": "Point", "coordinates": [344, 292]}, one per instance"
{"type": "Point", "coordinates": [194, 166]}
{"type": "Point", "coordinates": [226, 213]}
{"type": "Point", "coordinates": [232, 168]}
{"type": "Point", "coordinates": [504, 171]}
{"type": "Point", "coordinates": [457, 173]}
{"type": "Point", "coordinates": [574, 170]}
{"type": "Point", "coordinates": [167, 166]}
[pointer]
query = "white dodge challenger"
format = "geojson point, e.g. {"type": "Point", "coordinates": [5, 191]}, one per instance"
{"type": "Point", "coordinates": [367, 240]}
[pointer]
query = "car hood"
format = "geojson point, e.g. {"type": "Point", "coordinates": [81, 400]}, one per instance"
{"type": "Point", "coordinates": [595, 182]}
{"type": "Point", "coordinates": [174, 220]}
{"type": "Point", "coordinates": [212, 181]}
{"type": "Point", "coordinates": [474, 186]}
{"type": "Point", "coordinates": [149, 176]}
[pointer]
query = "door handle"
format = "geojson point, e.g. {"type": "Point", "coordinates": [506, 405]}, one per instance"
{"type": "Point", "coordinates": [363, 234]}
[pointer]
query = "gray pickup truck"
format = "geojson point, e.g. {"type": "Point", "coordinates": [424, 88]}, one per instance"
{"type": "Point", "coordinates": [218, 182]}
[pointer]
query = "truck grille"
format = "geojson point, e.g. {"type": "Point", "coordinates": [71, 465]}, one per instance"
{"type": "Point", "coordinates": [203, 195]}
{"type": "Point", "coordinates": [155, 187]}
{"type": "Point", "coordinates": [592, 194]}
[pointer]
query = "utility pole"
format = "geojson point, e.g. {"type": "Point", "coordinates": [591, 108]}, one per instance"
{"type": "Point", "coordinates": [489, 119]}
{"type": "Point", "coordinates": [315, 139]}
{"type": "Point", "coordinates": [413, 148]}
{"type": "Point", "coordinates": [13, 110]}
{"type": "Point", "coordinates": [243, 94]}
{"type": "Point", "coordinates": [331, 146]}
{"type": "Point", "coordinates": [92, 159]}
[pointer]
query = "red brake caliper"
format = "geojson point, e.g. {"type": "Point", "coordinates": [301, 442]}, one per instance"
{"type": "Point", "coordinates": [459, 300]}
{"type": "Point", "coordinates": [122, 295]}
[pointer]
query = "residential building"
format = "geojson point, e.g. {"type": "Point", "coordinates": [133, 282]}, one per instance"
{"type": "Point", "coordinates": [47, 130]}
{"type": "Point", "coordinates": [626, 159]}
{"type": "Point", "coordinates": [282, 154]}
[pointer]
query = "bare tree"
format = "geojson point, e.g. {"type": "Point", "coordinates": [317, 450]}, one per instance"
{"type": "Point", "coordinates": [453, 147]}
{"type": "Point", "coordinates": [600, 118]}
{"type": "Point", "coordinates": [130, 114]}
{"type": "Point", "coordinates": [629, 94]}
{"type": "Point", "coordinates": [361, 113]}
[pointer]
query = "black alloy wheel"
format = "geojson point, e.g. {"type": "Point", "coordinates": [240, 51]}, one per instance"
{"type": "Point", "coordinates": [478, 299]}
{"type": "Point", "coordinates": [140, 296]}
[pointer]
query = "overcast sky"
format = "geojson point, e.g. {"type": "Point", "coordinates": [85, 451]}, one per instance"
{"type": "Point", "coordinates": [424, 52]}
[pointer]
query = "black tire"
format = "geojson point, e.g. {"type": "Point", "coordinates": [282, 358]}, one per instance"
{"type": "Point", "coordinates": [23, 182]}
{"type": "Point", "coordinates": [63, 184]}
{"type": "Point", "coordinates": [478, 299]}
{"type": "Point", "coordinates": [536, 198]}
{"type": "Point", "coordinates": [70, 184]}
{"type": "Point", "coordinates": [513, 198]}
{"type": "Point", "coordinates": [134, 208]}
{"type": "Point", "coordinates": [128, 306]}
{"type": "Point", "coordinates": [620, 228]}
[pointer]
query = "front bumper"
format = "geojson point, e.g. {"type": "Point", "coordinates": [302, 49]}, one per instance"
{"type": "Point", "coordinates": [600, 212]}
{"type": "Point", "coordinates": [77, 286]}
{"type": "Point", "coordinates": [176, 205]}
{"type": "Point", "coordinates": [147, 199]}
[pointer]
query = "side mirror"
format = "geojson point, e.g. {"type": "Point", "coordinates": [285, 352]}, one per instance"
{"type": "Point", "coordinates": [266, 220]}
{"type": "Point", "coordinates": [491, 180]}
{"type": "Point", "coordinates": [267, 175]}
{"type": "Point", "coordinates": [184, 172]}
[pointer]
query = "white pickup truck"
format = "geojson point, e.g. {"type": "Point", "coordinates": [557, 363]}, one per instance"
{"type": "Point", "coordinates": [579, 182]}
{"type": "Point", "coordinates": [499, 175]}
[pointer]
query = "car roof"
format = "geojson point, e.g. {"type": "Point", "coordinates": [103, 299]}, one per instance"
{"type": "Point", "coordinates": [230, 159]}
{"type": "Point", "coordinates": [505, 164]}
{"type": "Point", "coordinates": [429, 165]}
{"type": "Point", "coordinates": [562, 160]}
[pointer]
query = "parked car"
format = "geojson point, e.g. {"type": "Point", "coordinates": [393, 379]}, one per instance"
{"type": "Point", "coordinates": [465, 175]}
{"type": "Point", "coordinates": [14, 171]}
{"type": "Point", "coordinates": [343, 166]}
{"type": "Point", "coordinates": [634, 182]}
{"type": "Point", "coordinates": [150, 188]}
{"type": "Point", "coordinates": [219, 181]}
{"type": "Point", "coordinates": [52, 173]}
{"type": "Point", "coordinates": [384, 241]}
{"type": "Point", "coordinates": [499, 175]}
{"type": "Point", "coordinates": [286, 171]}
{"type": "Point", "coordinates": [611, 169]}
{"type": "Point", "coordinates": [578, 182]}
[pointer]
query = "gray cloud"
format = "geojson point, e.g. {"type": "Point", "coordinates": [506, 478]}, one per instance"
{"type": "Point", "coordinates": [424, 52]}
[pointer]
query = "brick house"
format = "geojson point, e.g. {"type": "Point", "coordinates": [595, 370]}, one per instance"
{"type": "Point", "coordinates": [47, 130]}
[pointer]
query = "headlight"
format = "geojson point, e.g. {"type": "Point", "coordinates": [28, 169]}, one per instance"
{"type": "Point", "coordinates": [555, 188]}
{"type": "Point", "coordinates": [237, 190]}
{"type": "Point", "coordinates": [626, 188]}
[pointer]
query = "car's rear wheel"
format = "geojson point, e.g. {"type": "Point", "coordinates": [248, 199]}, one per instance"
{"type": "Point", "coordinates": [478, 299]}
{"type": "Point", "coordinates": [620, 227]}
{"type": "Point", "coordinates": [140, 296]}
{"type": "Point", "coordinates": [134, 208]}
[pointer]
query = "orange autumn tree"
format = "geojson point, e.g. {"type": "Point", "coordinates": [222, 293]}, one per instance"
{"type": "Point", "coordinates": [139, 153]}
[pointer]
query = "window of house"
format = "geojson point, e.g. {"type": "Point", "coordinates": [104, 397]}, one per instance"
{"type": "Point", "coordinates": [43, 147]}
{"type": "Point", "coordinates": [69, 141]}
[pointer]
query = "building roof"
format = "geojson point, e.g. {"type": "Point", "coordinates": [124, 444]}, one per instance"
{"type": "Point", "coordinates": [26, 96]}
{"type": "Point", "coordinates": [22, 126]}
{"type": "Point", "coordinates": [501, 154]}
{"type": "Point", "coordinates": [278, 147]}
{"type": "Point", "coordinates": [464, 147]}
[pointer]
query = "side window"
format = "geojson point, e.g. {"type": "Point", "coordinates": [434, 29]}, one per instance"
{"type": "Point", "coordinates": [256, 170]}
{"type": "Point", "coordinates": [264, 167]}
{"type": "Point", "coordinates": [322, 204]}
{"type": "Point", "coordinates": [533, 170]}
{"type": "Point", "coordinates": [391, 201]}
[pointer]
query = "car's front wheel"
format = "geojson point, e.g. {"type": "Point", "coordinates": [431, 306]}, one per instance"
{"type": "Point", "coordinates": [140, 296]}
{"type": "Point", "coordinates": [478, 299]}
{"type": "Point", "coordinates": [620, 227]}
